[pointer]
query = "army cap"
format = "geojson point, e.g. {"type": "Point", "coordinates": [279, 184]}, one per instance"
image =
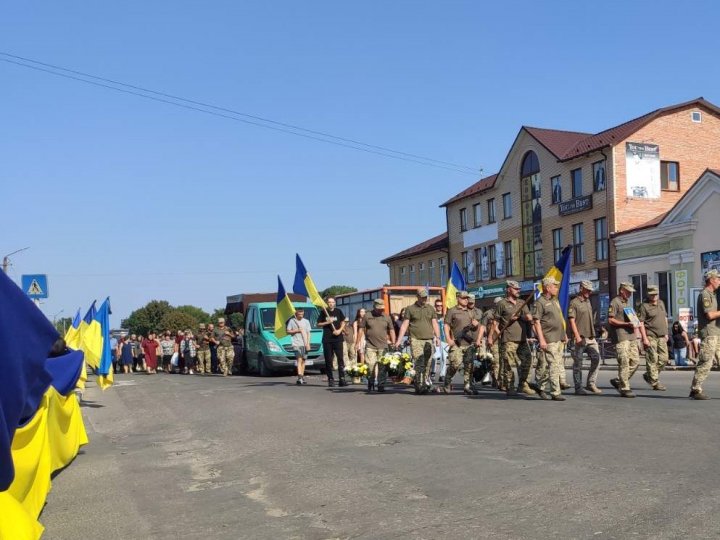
{"type": "Point", "coordinates": [587, 285]}
{"type": "Point", "coordinates": [379, 302]}
{"type": "Point", "coordinates": [201, 326]}
{"type": "Point", "coordinates": [462, 294]}
{"type": "Point", "coordinates": [653, 289]}
{"type": "Point", "coordinates": [471, 297]}
{"type": "Point", "coordinates": [221, 320]}
{"type": "Point", "coordinates": [712, 273]}
{"type": "Point", "coordinates": [422, 293]}
{"type": "Point", "coordinates": [627, 286]}
{"type": "Point", "coordinates": [497, 300]}
{"type": "Point", "coordinates": [511, 284]}
{"type": "Point", "coordinates": [550, 281]}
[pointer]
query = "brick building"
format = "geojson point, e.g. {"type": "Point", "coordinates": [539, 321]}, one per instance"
{"type": "Point", "coordinates": [422, 264]}
{"type": "Point", "coordinates": [558, 188]}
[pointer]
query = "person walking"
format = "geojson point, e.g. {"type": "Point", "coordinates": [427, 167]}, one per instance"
{"type": "Point", "coordinates": [332, 321]}
{"type": "Point", "coordinates": [114, 348]}
{"type": "Point", "coordinates": [167, 349]}
{"type": "Point", "coordinates": [709, 331]}
{"type": "Point", "coordinates": [476, 334]}
{"type": "Point", "coordinates": [513, 321]}
{"type": "Point", "coordinates": [421, 321]}
{"type": "Point", "coordinates": [188, 351]}
{"type": "Point", "coordinates": [582, 329]}
{"type": "Point", "coordinates": [489, 321]}
{"type": "Point", "coordinates": [550, 331]}
{"type": "Point", "coordinates": [126, 355]}
{"type": "Point", "coordinates": [457, 321]}
{"type": "Point", "coordinates": [150, 347]}
{"type": "Point", "coordinates": [136, 351]}
{"type": "Point", "coordinates": [359, 345]}
{"type": "Point", "coordinates": [299, 329]}
{"type": "Point", "coordinates": [654, 330]}
{"type": "Point", "coordinates": [350, 353]}
{"type": "Point", "coordinates": [377, 331]}
{"type": "Point", "coordinates": [622, 334]}
{"type": "Point", "coordinates": [225, 350]}
{"type": "Point", "coordinates": [680, 344]}
{"type": "Point", "coordinates": [204, 357]}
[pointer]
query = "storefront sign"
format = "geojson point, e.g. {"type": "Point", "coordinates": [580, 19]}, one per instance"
{"type": "Point", "coordinates": [575, 205]}
{"type": "Point", "coordinates": [681, 288]}
{"type": "Point", "coordinates": [488, 292]}
{"type": "Point", "coordinates": [685, 316]}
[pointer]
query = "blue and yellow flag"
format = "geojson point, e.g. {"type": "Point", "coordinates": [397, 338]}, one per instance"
{"type": "Point", "coordinates": [304, 285]}
{"type": "Point", "coordinates": [26, 337]}
{"type": "Point", "coordinates": [91, 337]}
{"type": "Point", "coordinates": [72, 336]}
{"type": "Point", "coordinates": [455, 284]}
{"type": "Point", "coordinates": [283, 311]}
{"type": "Point", "coordinates": [561, 272]}
{"type": "Point", "coordinates": [105, 368]}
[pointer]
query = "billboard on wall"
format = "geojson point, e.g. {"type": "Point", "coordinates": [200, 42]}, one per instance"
{"type": "Point", "coordinates": [500, 260]}
{"type": "Point", "coordinates": [642, 170]}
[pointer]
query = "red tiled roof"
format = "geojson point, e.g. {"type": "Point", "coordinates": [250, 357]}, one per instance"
{"type": "Point", "coordinates": [477, 187]}
{"type": "Point", "coordinates": [557, 142]}
{"type": "Point", "coordinates": [436, 242]}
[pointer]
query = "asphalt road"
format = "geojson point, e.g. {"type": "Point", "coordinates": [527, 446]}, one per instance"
{"type": "Point", "coordinates": [189, 457]}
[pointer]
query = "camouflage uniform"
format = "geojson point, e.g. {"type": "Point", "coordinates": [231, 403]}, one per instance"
{"type": "Point", "coordinates": [709, 331]}
{"type": "Point", "coordinates": [580, 310]}
{"type": "Point", "coordinates": [203, 352]}
{"type": "Point", "coordinates": [628, 355]}
{"type": "Point", "coordinates": [550, 362]}
{"type": "Point", "coordinates": [514, 347]}
{"type": "Point", "coordinates": [376, 328]}
{"type": "Point", "coordinates": [225, 351]}
{"type": "Point", "coordinates": [654, 318]}
{"type": "Point", "coordinates": [421, 342]}
{"type": "Point", "coordinates": [488, 321]}
{"type": "Point", "coordinates": [458, 319]}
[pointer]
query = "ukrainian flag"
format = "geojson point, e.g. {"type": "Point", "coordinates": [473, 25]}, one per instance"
{"type": "Point", "coordinates": [72, 336]}
{"type": "Point", "coordinates": [561, 272]}
{"type": "Point", "coordinates": [455, 284]}
{"type": "Point", "coordinates": [91, 337]}
{"type": "Point", "coordinates": [283, 311]}
{"type": "Point", "coordinates": [105, 367]}
{"type": "Point", "coordinates": [304, 285]}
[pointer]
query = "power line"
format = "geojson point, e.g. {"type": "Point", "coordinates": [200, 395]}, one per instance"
{"type": "Point", "coordinates": [254, 120]}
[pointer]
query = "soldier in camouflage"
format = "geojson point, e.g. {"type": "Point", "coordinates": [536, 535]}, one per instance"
{"type": "Point", "coordinates": [654, 332]}
{"type": "Point", "coordinates": [490, 324]}
{"type": "Point", "coordinates": [513, 322]}
{"type": "Point", "coordinates": [225, 352]}
{"type": "Point", "coordinates": [622, 334]}
{"type": "Point", "coordinates": [709, 331]}
{"type": "Point", "coordinates": [203, 351]}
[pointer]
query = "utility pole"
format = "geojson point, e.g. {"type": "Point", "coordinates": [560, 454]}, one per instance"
{"type": "Point", "coordinates": [6, 259]}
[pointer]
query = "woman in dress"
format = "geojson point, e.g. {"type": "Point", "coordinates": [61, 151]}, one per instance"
{"type": "Point", "coordinates": [359, 343]}
{"type": "Point", "coordinates": [167, 348]}
{"type": "Point", "coordinates": [150, 346]}
{"type": "Point", "coordinates": [680, 344]}
{"type": "Point", "coordinates": [188, 352]}
{"type": "Point", "coordinates": [126, 355]}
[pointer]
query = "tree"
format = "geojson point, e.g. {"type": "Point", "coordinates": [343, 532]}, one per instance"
{"type": "Point", "coordinates": [334, 290]}
{"type": "Point", "coordinates": [200, 315]}
{"type": "Point", "coordinates": [177, 320]}
{"type": "Point", "coordinates": [145, 319]}
{"type": "Point", "coordinates": [62, 325]}
{"type": "Point", "coordinates": [234, 320]}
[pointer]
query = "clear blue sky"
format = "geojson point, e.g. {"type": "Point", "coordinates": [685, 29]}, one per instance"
{"type": "Point", "coordinates": [118, 195]}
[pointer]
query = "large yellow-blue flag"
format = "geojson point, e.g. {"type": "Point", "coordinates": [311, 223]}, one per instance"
{"type": "Point", "coordinates": [304, 285]}
{"type": "Point", "coordinates": [283, 311]}
{"type": "Point", "coordinates": [72, 336]}
{"type": "Point", "coordinates": [91, 337]}
{"type": "Point", "coordinates": [561, 272]}
{"type": "Point", "coordinates": [455, 284]}
{"type": "Point", "coordinates": [105, 368]}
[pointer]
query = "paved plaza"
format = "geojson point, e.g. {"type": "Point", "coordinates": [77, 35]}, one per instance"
{"type": "Point", "coordinates": [185, 457]}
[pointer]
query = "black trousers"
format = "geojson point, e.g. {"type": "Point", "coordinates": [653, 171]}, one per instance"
{"type": "Point", "coordinates": [330, 348]}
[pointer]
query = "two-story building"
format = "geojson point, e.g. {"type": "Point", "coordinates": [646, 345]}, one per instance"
{"type": "Point", "coordinates": [422, 264]}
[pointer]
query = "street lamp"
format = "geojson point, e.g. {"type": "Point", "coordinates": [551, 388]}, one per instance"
{"type": "Point", "coordinates": [6, 258]}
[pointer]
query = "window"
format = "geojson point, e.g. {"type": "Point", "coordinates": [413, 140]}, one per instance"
{"type": "Point", "coordinates": [669, 176]}
{"type": "Point", "coordinates": [531, 213]}
{"type": "Point", "coordinates": [556, 189]}
{"type": "Point", "coordinates": [664, 281]}
{"type": "Point", "coordinates": [443, 271]}
{"type": "Point", "coordinates": [576, 182]}
{"type": "Point", "coordinates": [599, 180]}
{"type": "Point", "coordinates": [403, 276]}
{"type": "Point", "coordinates": [578, 243]}
{"type": "Point", "coordinates": [509, 267]}
{"type": "Point", "coordinates": [412, 275]}
{"type": "Point", "coordinates": [478, 263]}
{"type": "Point", "coordinates": [507, 206]}
{"type": "Point", "coordinates": [463, 219]}
{"type": "Point", "coordinates": [464, 262]}
{"type": "Point", "coordinates": [557, 243]}
{"type": "Point", "coordinates": [696, 116]}
{"type": "Point", "coordinates": [477, 215]}
{"type": "Point", "coordinates": [421, 271]}
{"type": "Point", "coordinates": [471, 277]}
{"type": "Point", "coordinates": [601, 240]}
{"type": "Point", "coordinates": [491, 210]}
{"type": "Point", "coordinates": [493, 261]}
{"type": "Point", "coordinates": [639, 282]}
{"type": "Point", "coordinates": [431, 272]}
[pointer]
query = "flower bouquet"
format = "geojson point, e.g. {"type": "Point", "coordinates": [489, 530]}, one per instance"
{"type": "Point", "coordinates": [357, 372]}
{"type": "Point", "coordinates": [398, 365]}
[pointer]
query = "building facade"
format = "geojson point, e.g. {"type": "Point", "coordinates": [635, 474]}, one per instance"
{"type": "Point", "coordinates": [423, 264]}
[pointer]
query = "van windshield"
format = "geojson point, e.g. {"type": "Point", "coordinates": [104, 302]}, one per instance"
{"type": "Point", "coordinates": [268, 317]}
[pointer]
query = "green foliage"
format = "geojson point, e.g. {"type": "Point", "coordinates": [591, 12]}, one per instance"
{"type": "Point", "coordinates": [219, 312]}
{"type": "Point", "coordinates": [234, 320]}
{"type": "Point", "coordinates": [178, 320]}
{"type": "Point", "coordinates": [334, 290]}
{"type": "Point", "coordinates": [62, 325]}
{"type": "Point", "coordinates": [148, 318]}
{"type": "Point", "coordinates": [200, 315]}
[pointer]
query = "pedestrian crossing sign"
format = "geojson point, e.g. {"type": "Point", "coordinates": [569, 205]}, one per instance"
{"type": "Point", "coordinates": [35, 285]}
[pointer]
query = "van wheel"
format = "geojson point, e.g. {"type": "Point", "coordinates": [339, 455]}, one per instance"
{"type": "Point", "coordinates": [263, 369]}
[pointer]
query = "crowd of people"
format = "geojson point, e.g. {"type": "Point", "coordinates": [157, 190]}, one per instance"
{"type": "Point", "coordinates": [209, 349]}
{"type": "Point", "coordinates": [503, 334]}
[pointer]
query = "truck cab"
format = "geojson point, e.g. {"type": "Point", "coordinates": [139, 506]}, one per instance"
{"type": "Point", "coordinates": [265, 353]}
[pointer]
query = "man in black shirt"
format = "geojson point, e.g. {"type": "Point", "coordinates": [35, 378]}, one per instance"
{"type": "Point", "coordinates": [332, 321]}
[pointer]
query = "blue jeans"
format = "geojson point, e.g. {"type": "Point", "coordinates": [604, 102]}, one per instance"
{"type": "Point", "coordinates": [680, 356]}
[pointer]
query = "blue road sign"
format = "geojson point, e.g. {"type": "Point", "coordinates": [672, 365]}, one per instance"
{"type": "Point", "coordinates": [35, 285]}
